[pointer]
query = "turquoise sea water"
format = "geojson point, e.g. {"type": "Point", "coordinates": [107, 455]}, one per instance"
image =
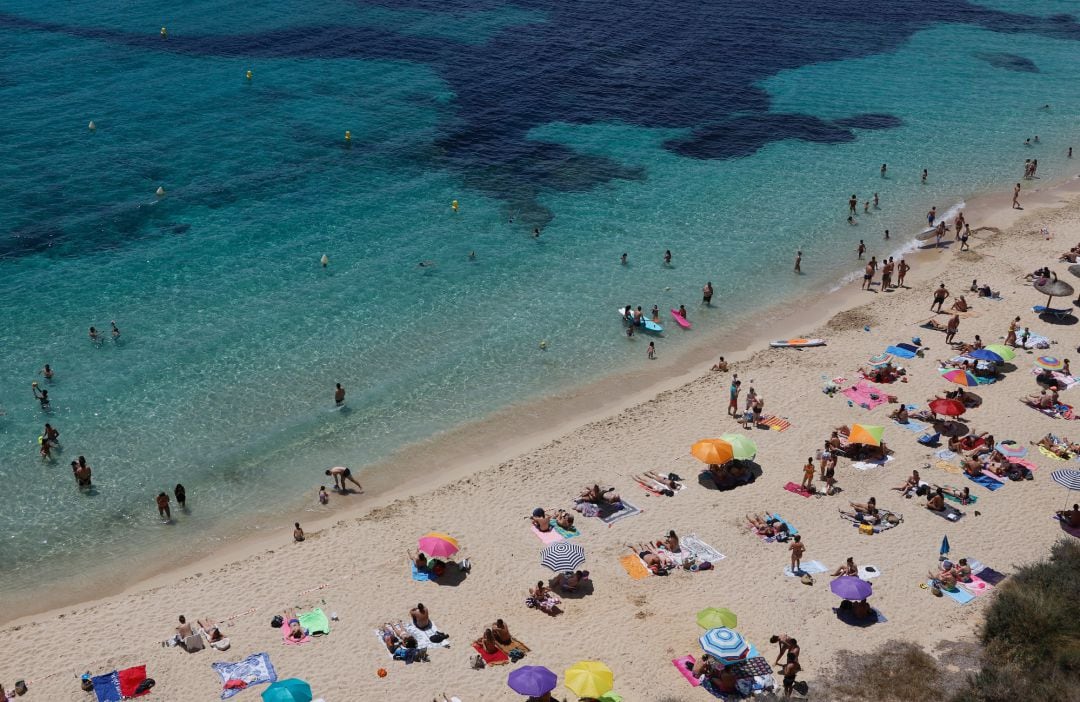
{"type": "Point", "coordinates": [233, 335]}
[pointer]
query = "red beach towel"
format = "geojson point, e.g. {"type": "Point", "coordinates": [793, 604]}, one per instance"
{"type": "Point", "coordinates": [130, 679]}
{"type": "Point", "coordinates": [797, 489]}
{"type": "Point", "coordinates": [497, 658]}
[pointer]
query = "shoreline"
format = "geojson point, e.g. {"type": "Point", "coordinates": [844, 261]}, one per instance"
{"type": "Point", "coordinates": [522, 428]}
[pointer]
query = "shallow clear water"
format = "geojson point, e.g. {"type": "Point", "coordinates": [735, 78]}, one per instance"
{"type": "Point", "coordinates": [732, 138]}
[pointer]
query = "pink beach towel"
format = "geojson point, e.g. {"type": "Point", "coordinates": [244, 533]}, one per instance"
{"type": "Point", "coordinates": [680, 665]}
{"type": "Point", "coordinates": [547, 537]}
{"type": "Point", "coordinates": [977, 586]}
{"type": "Point", "coordinates": [290, 641]}
{"type": "Point", "coordinates": [797, 489]}
{"type": "Point", "coordinates": [860, 393]}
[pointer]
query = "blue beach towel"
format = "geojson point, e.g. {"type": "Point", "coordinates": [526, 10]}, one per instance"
{"type": "Point", "coordinates": [253, 670]}
{"type": "Point", "coordinates": [807, 567]}
{"type": "Point", "coordinates": [107, 687]}
{"type": "Point", "coordinates": [791, 530]}
{"type": "Point", "coordinates": [986, 481]}
{"type": "Point", "coordinates": [420, 575]}
{"type": "Point", "coordinates": [913, 426]}
{"type": "Point", "coordinates": [959, 594]}
{"type": "Point", "coordinates": [900, 352]}
{"type": "Point", "coordinates": [565, 533]}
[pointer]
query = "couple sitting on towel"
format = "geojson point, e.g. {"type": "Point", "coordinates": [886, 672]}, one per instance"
{"type": "Point", "coordinates": [402, 645]}
{"type": "Point", "coordinates": [543, 599]}
{"type": "Point", "coordinates": [542, 520]}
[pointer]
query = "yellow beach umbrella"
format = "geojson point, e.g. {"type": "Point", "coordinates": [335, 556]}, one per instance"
{"type": "Point", "coordinates": [714, 618]}
{"type": "Point", "coordinates": [866, 434]}
{"type": "Point", "coordinates": [589, 679]}
{"type": "Point", "coordinates": [713, 451]}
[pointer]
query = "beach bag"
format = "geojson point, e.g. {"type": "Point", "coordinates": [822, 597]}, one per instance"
{"type": "Point", "coordinates": [438, 637]}
{"type": "Point", "coordinates": [807, 579]}
{"type": "Point", "coordinates": [465, 566]}
{"type": "Point", "coordinates": [866, 529]}
{"type": "Point", "coordinates": [277, 621]}
{"type": "Point", "coordinates": [476, 662]}
{"type": "Point", "coordinates": [935, 591]}
{"type": "Point", "coordinates": [145, 686]}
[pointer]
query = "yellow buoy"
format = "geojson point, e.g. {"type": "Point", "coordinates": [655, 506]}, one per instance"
{"type": "Point", "coordinates": [348, 135]}
{"type": "Point", "coordinates": [91, 126]}
{"type": "Point", "coordinates": [453, 205]}
{"type": "Point", "coordinates": [325, 260]}
{"type": "Point", "coordinates": [249, 75]}
{"type": "Point", "coordinates": [160, 192]}
{"type": "Point", "coordinates": [543, 345]}
{"type": "Point", "coordinates": [164, 33]}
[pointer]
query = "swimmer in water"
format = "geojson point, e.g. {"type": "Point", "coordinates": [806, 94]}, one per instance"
{"type": "Point", "coordinates": [115, 330]}
{"type": "Point", "coordinates": [667, 257]}
{"type": "Point", "coordinates": [339, 395]}
{"type": "Point", "coordinates": [41, 395]}
{"type": "Point", "coordinates": [47, 372]}
{"type": "Point", "coordinates": [884, 168]}
{"type": "Point", "coordinates": [426, 264]}
{"type": "Point", "coordinates": [622, 259]}
{"type": "Point", "coordinates": [472, 255]}
{"type": "Point", "coordinates": [536, 233]}
{"type": "Point", "coordinates": [651, 351]}
{"type": "Point", "coordinates": [94, 337]}
{"type": "Point", "coordinates": [656, 314]}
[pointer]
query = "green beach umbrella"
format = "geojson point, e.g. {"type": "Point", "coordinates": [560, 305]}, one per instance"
{"type": "Point", "coordinates": [714, 618]}
{"type": "Point", "coordinates": [1002, 350]}
{"type": "Point", "coordinates": [290, 690]}
{"type": "Point", "coordinates": [743, 448]}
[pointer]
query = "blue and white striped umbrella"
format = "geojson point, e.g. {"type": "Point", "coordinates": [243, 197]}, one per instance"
{"type": "Point", "coordinates": [724, 643]}
{"type": "Point", "coordinates": [1067, 477]}
{"type": "Point", "coordinates": [562, 555]}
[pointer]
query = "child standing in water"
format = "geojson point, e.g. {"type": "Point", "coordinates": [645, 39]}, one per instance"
{"type": "Point", "coordinates": [651, 351]}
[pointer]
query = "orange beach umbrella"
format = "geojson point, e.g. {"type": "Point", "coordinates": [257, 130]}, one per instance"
{"type": "Point", "coordinates": [866, 434]}
{"type": "Point", "coordinates": [713, 451]}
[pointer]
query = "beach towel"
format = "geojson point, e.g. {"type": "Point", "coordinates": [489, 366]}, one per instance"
{"type": "Point", "coordinates": [547, 537]}
{"type": "Point", "coordinates": [774, 423]}
{"type": "Point", "coordinates": [751, 666]}
{"type": "Point", "coordinates": [1056, 412]}
{"type": "Point", "coordinates": [977, 586]}
{"type": "Point", "coordinates": [107, 687]}
{"type": "Point", "coordinates": [950, 513]}
{"type": "Point", "coordinates": [993, 476]}
{"type": "Point", "coordinates": [130, 679]}
{"type": "Point", "coordinates": [972, 499]}
{"type": "Point", "coordinates": [634, 567]}
{"type": "Point", "coordinates": [797, 489]}
{"type": "Point", "coordinates": [866, 395]}
{"type": "Point", "coordinates": [913, 426]}
{"type": "Point", "coordinates": [1066, 382]}
{"type": "Point", "coordinates": [810, 567]}
{"type": "Point", "coordinates": [900, 352]}
{"type": "Point", "coordinates": [701, 551]}
{"type": "Point", "coordinates": [959, 594]}
{"type": "Point", "coordinates": [869, 571]}
{"type": "Point", "coordinates": [253, 670]}
{"type": "Point", "coordinates": [680, 665]}
{"type": "Point", "coordinates": [846, 616]}
{"type": "Point", "coordinates": [867, 465]}
{"type": "Point", "coordinates": [1072, 531]}
{"type": "Point", "coordinates": [791, 529]}
{"type": "Point", "coordinates": [514, 643]}
{"type": "Point", "coordinates": [948, 467]}
{"type": "Point", "coordinates": [317, 623]}
{"type": "Point", "coordinates": [565, 533]}
{"type": "Point", "coordinates": [423, 636]}
{"type": "Point", "coordinates": [497, 658]}
{"type": "Point", "coordinates": [883, 525]}
{"type": "Point", "coordinates": [420, 575]}
{"type": "Point", "coordinates": [1050, 454]}
{"type": "Point", "coordinates": [987, 482]}
{"type": "Point", "coordinates": [610, 516]}
{"type": "Point", "coordinates": [946, 455]}
{"type": "Point", "coordinates": [986, 573]}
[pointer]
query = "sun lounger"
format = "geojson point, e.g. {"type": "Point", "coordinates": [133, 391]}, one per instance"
{"type": "Point", "coordinates": [253, 670]}
{"type": "Point", "coordinates": [1056, 313]}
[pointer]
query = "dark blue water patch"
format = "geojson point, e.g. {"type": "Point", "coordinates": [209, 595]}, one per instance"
{"type": "Point", "coordinates": [697, 67]}
{"type": "Point", "coordinates": [743, 136]}
{"type": "Point", "coordinates": [1009, 62]}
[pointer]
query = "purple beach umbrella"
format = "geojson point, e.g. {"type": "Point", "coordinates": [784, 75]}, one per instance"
{"type": "Point", "coordinates": [851, 588]}
{"type": "Point", "coordinates": [532, 680]}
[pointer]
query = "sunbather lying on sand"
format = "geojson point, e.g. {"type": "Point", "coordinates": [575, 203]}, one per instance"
{"type": "Point", "coordinates": [666, 480]}
{"type": "Point", "coordinates": [882, 374]}
{"type": "Point", "coordinates": [656, 485]}
{"type": "Point", "coordinates": [910, 484]}
{"type": "Point", "coordinates": [401, 645]}
{"type": "Point", "coordinates": [1044, 400]}
{"type": "Point", "coordinates": [872, 517]}
{"type": "Point", "coordinates": [1060, 447]}
{"type": "Point", "coordinates": [868, 506]}
{"type": "Point", "coordinates": [565, 520]}
{"type": "Point", "coordinates": [293, 622]}
{"type": "Point", "coordinates": [933, 324]}
{"type": "Point", "coordinates": [597, 496]}
{"type": "Point", "coordinates": [964, 495]}
{"type": "Point", "coordinates": [972, 466]}
{"type": "Point", "coordinates": [767, 527]}
{"type": "Point", "coordinates": [654, 559]}
{"type": "Point", "coordinates": [211, 630]}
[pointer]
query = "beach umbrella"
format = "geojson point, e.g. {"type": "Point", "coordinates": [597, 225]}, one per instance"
{"type": "Point", "coordinates": [438, 545]}
{"type": "Point", "coordinates": [589, 679]}
{"type": "Point", "coordinates": [986, 355]}
{"type": "Point", "coordinates": [742, 447]}
{"type": "Point", "coordinates": [851, 588]}
{"type": "Point", "coordinates": [1011, 449]}
{"type": "Point", "coordinates": [713, 451]}
{"type": "Point", "coordinates": [532, 680]}
{"type": "Point", "coordinates": [944, 546]}
{"type": "Point", "coordinates": [714, 618]}
{"type": "Point", "coordinates": [724, 643]}
{"type": "Point", "coordinates": [1075, 270]}
{"type": "Point", "coordinates": [289, 690]}
{"type": "Point", "coordinates": [562, 556]}
{"type": "Point", "coordinates": [947, 407]}
{"type": "Point", "coordinates": [1054, 288]}
{"type": "Point", "coordinates": [961, 377]}
{"type": "Point", "coordinates": [867, 434]}
{"type": "Point", "coordinates": [1067, 477]}
{"type": "Point", "coordinates": [1050, 362]}
{"type": "Point", "coordinates": [1002, 350]}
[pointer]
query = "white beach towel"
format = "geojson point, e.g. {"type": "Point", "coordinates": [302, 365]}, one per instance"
{"type": "Point", "coordinates": [867, 465]}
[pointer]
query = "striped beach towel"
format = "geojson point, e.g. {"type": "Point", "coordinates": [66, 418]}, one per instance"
{"type": "Point", "coordinates": [775, 423]}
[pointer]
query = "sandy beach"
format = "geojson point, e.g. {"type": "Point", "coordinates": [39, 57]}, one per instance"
{"type": "Point", "coordinates": [354, 563]}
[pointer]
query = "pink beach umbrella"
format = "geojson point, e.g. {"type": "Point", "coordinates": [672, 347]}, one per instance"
{"type": "Point", "coordinates": [438, 545]}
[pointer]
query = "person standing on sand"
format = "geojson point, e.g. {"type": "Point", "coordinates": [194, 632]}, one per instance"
{"type": "Point", "coordinates": [853, 202]}
{"type": "Point", "coordinates": [886, 275]}
{"type": "Point", "coordinates": [868, 277]}
{"type": "Point", "coordinates": [706, 294]}
{"type": "Point", "coordinates": [807, 482]}
{"type": "Point", "coordinates": [940, 295]}
{"type": "Point", "coordinates": [339, 395]}
{"type": "Point", "coordinates": [1016, 198]}
{"type": "Point", "coordinates": [163, 507]}
{"type": "Point", "coordinates": [861, 249]}
{"type": "Point", "coordinates": [798, 261]}
{"type": "Point", "coordinates": [1010, 338]}
{"type": "Point", "coordinates": [901, 269]}
{"type": "Point", "coordinates": [340, 474]}
{"type": "Point", "coordinates": [797, 548]}
{"type": "Point", "coordinates": [951, 328]}
{"type": "Point", "coordinates": [733, 404]}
